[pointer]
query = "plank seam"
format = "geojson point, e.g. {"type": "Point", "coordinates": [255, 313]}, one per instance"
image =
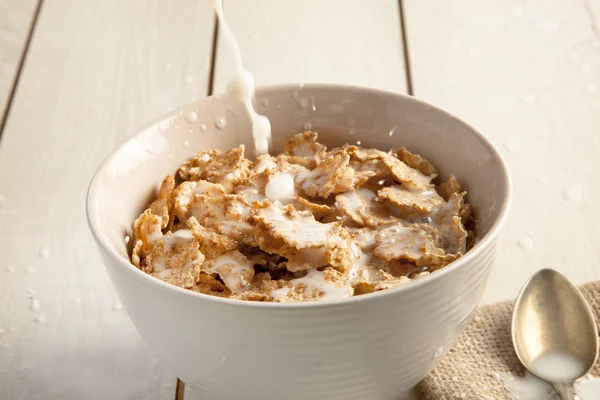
{"type": "Point", "coordinates": [592, 18]}
{"type": "Point", "coordinates": [213, 57]}
{"type": "Point", "coordinates": [179, 390]}
{"type": "Point", "coordinates": [403, 30]}
{"type": "Point", "coordinates": [22, 60]}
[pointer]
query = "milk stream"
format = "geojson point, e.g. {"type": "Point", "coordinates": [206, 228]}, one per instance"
{"type": "Point", "coordinates": [242, 87]}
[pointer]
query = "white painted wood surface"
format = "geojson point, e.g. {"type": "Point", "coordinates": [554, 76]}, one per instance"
{"type": "Point", "coordinates": [191, 394]}
{"type": "Point", "coordinates": [96, 70]}
{"type": "Point", "coordinates": [335, 41]}
{"type": "Point", "coordinates": [526, 73]}
{"type": "Point", "coordinates": [15, 20]}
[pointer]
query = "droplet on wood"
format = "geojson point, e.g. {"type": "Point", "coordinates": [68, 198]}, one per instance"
{"type": "Point", "coordinates": [44, 252]}
{"type": "Point", "coordinates": [34, 305]}
{"type": "Point", "coordinates": [573, 193]}
{"type": "Point", "coordinates": [525, 242]}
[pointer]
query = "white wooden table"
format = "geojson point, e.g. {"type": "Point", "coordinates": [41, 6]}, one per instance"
{"type": "Point", "coordinates": [77, 76]}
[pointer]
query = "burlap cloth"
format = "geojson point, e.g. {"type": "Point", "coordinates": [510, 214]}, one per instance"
{"type": "Point", "coordinates": [484, 353]}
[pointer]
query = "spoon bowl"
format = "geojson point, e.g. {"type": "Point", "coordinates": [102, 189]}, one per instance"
{"type": "Point", "coordinates": [553, 329]}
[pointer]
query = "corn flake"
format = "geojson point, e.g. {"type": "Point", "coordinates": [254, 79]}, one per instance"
{"type": "Point", "coordinates": [229, 168]}
{"type": "Point", "coordinates": [415, 161]}
{"type": "Point", "coordinates": [364, 208]}
{"type": "Point", "coordinates": [411, 203]}
{"type": "Point", "coordinates": [333, 174]}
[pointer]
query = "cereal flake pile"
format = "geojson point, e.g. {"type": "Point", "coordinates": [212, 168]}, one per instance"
{"type": "Point", "coordinates": [308, 224]}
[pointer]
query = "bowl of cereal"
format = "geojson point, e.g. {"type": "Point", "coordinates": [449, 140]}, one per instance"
{"type": "Point", "coordinates": [341, 265]}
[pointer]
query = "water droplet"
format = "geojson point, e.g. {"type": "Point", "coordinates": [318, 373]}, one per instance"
{"type": "Point", "coordinates": [294, 94]}
{"type": "Point", "coordinates": [168, 66]}
{"type": "Point", "coordinates": [438, 352]}
{"type": "Point", "coordinates": [189, 79]}
{"type": "Point", "coordinates": [546, 24]}
{"type": "Point", "coordinates": [117, 306]}
{"type": "Point", "coordinates": [223, 359]}
{"type": "Point", "coordinates": [75, 300]}
{"type": "Point", "coordinates": [525, 242]}
{"type": "Point", "coordinates": [392, 131]}
{"type": "Point", "coordinates": [512, 143]}
{"type": "Point", "coordinates": [186, 144]}
{"type": "Point", "coordinates": [307, 125]}
{"type": "Point", "coordinates": [313, 106]}
{"type": "Point", "coordinates": [220, 123]}
{"type": "Point", "coordinates": [358, 142]}
{"type": "Point", "coordinates": [573, 192]}
{"type": "Point", "coordinates": [127, 239]}
{"type": "Point", "coordinates": [44, 252]}
{"type": "Point", "coordinates": [205, 157]}
{"type": "Point", "coordinates": [10, 268]}
{"type": "Point", "coordinates": [495, 376]}
{"type": "Point", "coordinates": [265, 102]}
{"type": "Point", "coordinates": [586, 69]}
{"type": "Point", "coordinates": [591, 87]}
{"type": "Point", "coordinates": [203, 128]}
{"type": "Point", "coordinates": [40, 319]}
{"type": "Point", "coordinates": [12, 328]}
{"type": "Point", "coordinates": [303, 102]}
{"type": "Point", "coordinates": [30, 270]}
{"type": "Point", "coordinates": [574, 55]}
{"type": "Point", "coordinates": [477, 318]}
{"type": "Point", "coordinates": [516, 10]}
{"type": "Point", "coordinates": [191, 117]}
{"type": "Point", "coordinates": [527, 98]}
{"type": "Point", "coordinates": [278, 106]}
{"type": "Point", "coordinates": [34, 305]}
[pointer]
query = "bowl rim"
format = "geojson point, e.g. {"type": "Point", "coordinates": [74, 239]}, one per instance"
{"type": "Point", "coordinates": [483, 243]}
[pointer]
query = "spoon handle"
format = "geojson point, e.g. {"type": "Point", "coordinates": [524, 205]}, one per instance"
{"type": "Point", "coordinates": [566, 391]}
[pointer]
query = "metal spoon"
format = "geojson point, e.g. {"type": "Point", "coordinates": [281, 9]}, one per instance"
{"type": "Point", "coordinates": [554, 331]}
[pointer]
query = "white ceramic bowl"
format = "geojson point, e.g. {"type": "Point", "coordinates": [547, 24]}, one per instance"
{"type": "Point", "coordinates": [374, 346]}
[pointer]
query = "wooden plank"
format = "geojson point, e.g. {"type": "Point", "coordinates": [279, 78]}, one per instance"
{"type": "Point", "coordinates": [96, 70]}
{"type": "Point", "coordinates": [336, 41]}
{"type": "Point", "coordinates": [15, 21]}
{"type": "Point", "coordinates": [526, 74]}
